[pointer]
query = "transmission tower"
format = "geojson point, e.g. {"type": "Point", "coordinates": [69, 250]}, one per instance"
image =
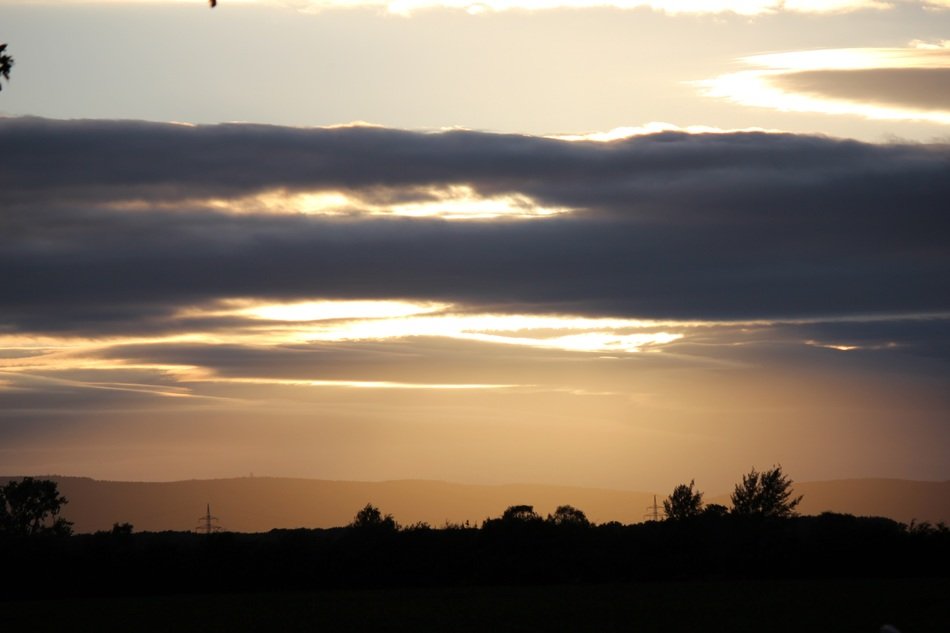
{"type": "Point", "coordinates": [653, 511]}
{"type": "Point", "coordinates": [208, 524]}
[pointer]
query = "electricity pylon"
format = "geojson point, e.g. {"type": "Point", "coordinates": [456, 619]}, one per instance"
{"type": "Point", "coordinates": [208, 524]}
{"type": "Point", "coordinates": [654, 513]}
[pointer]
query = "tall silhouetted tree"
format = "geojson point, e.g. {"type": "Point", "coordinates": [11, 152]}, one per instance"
{"type": "Point", "coordinates": [6, 63]}
{"type": "Point", "coordinates": [765, 494]}
{"type": "Point", "coordinates": [684, 502]}
{"type": "Point", "coordinates": [30, 507]}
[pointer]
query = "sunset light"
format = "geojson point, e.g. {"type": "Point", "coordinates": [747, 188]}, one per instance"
{"type": "Point", "coordinates": [339, 320]}
{"type": "Point", "coordinates": [351, 252]}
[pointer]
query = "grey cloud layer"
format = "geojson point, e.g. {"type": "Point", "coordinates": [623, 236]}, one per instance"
{"type": "Point", "coordinates": [919, 88]}
{"type": "Point", "coordinates": [669, 225]}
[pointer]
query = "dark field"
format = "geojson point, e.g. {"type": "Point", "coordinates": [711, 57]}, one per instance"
{"type": "Point", "coordinates": [833, 606]}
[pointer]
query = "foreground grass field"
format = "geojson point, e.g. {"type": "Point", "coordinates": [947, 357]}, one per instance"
{"type": "Point", "coordinates": [833, 606]}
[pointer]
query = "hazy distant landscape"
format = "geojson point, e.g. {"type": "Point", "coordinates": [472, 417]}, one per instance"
{"type": "Point", "coordinates": [259, 504]}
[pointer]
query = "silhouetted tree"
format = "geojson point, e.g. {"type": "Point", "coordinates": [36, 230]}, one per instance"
{"type": "Point", "coordinates": [765, 494]}
{"type": "Point", "coordinates": [568, 515]}
{"type": "Point", "coordinates": [29, 507]}
{"type": "Point", "coordinates": [122, 529]}
{"type": "Point", "coordinates": [684, 502]}
{"type": "Point", "coordinates": [372, 519]}
{"type": "Point", "coordinates": [715, 510]}
{"type": "Point", "coordinates": [6, 64]}
{"type": "Point", "coordinates": [520, 513]}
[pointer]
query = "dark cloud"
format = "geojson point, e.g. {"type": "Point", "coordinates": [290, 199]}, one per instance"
{"type": "Point", "coordinates": [918, 88]}
{"type": "Point", "coordinates": [670, 225]}
{"type": "Point", "coordinates": [924, 337]}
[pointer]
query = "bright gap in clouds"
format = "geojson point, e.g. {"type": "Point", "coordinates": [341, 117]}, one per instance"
{"type": "Point", "coordinates": [256, 325]}
{"type": "Point", "coordinates": [267, 324]}
{"type": "Point", "coordinates": [653, 127]}
{"type": "Point", "coordinates": [389, 319]}
{"type": "Point", "coordinates": [454, 202]}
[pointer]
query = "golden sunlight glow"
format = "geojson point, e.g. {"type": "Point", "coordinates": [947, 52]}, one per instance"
{"type": "Point", "coordinates": [849, 348]}
{"type": "Point", "coordinates": [840, 348]}
{"type": "Point", "coordinates": [328, 310]}
{"type": "Point", "coordinates": [586, 342]}
{"type": "Point", "coordinates": [455, 202]}
{"type": "Point", "coordinates": [88, 363]}
{"type": "Point", "coordinates": [654, 127]}
{"type": "Point", "coordinates": [315, 203]}
{"type": "Point", "coordinates": [463, 203]}
{"type": "Point", "coordinates": [103, 364]}
{"type": "Point", "coordinates": [760, 87]}
{"type": "Point", "coordinates": [599, 334]}
{"type": "Point", "coordinates": [364, 320]}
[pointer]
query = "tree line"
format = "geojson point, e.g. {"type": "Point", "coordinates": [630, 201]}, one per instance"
{"type": "Point", "coordinates": [767, 494]}
{"type": "Point", "coordinates": [761, 536]}
{"type": "Point", "coordinates": [31, 507]}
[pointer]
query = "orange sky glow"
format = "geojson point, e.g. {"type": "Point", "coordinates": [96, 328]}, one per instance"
{"type": "Point", "coordinates": [618, 243]}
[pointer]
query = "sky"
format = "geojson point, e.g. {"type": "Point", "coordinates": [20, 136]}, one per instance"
{"type": "Point", "coordinates": [617, 243]}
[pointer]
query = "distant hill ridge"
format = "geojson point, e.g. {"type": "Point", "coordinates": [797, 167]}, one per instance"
{"type": "Point", "coordinates": [259, 504]}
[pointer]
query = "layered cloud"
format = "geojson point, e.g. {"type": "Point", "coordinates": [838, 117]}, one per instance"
{"type": "Point", "coordinates": [877, 83]}
{"type": "Point", "coordinates": [315, 296]}
{"type": "Point", "coordinates": [124, 223]}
